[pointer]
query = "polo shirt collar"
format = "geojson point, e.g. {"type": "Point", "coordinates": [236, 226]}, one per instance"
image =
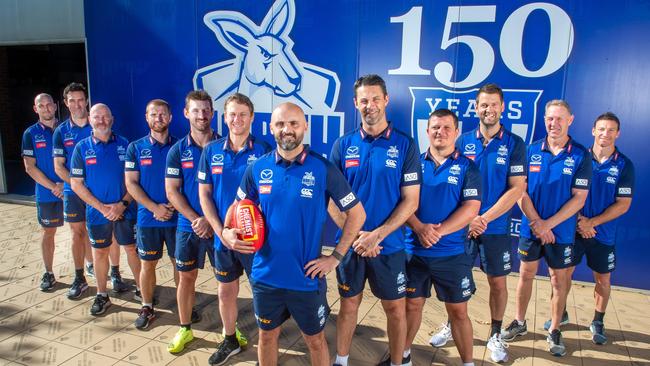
{"type": "Point", "coordinates": [613, 157]}
{"type": "Point", "coordinates": [46, 128]}
{"type": "Point", "coordinates": [249, 144]}
{"type": "Point", "coordinates": [386, 133]}
{"type": "Point", "coordinates": [97, 141]}
{"type": "Point", "coordinates": [300, 159]}
{"type": "Point", "coordinates": [190, 141]}
{"type": "Point", "coordinates": [568, 147]}
{"type": "Point", "coordinates": [155, 142]}
{"type": "Point", "coordinates": [498, 135]}
{"type": "Point", "coordinates": [453, 156]}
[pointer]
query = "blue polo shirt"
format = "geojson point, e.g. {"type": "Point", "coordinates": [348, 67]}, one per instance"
{"type": "Point", "coordinates": [223, 168]}
{"type": "Point", "coordinates": [612, 179]}
{"type": "Point", "coordinates": [101, 165]}
{"type": "Point", "coordinates": [66, 137]}
{"type": "Point", "coordinates": [37, 144]}
{"type": "Point", "coordinates": [503, 157]}
{"type": "Point", "coordinates": [183, 163]}
{"type": "Point", "coordinates": [550, 181]}
{"type": "Point", "coordinates": [443, 190]}
{"type": "Point", "coordinates": [377, 168]}
{"type": "Point", "coordinates": [293, 197]}
{"type": "Point", "coordinates": [148, 157]}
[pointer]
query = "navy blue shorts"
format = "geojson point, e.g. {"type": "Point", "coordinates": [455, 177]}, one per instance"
{"type": "Point", "coordinates": [191, 250]}
{"type": "Point", "coordinates": [101, 236]}
{"type": "Point", "coordinates": [229, 264]}
{"type": "Point", "coordinates": [450, 276]}
{"type": "Point", "coordinates": [74, 208]}
{"type": "Point", "coordinates": [50, 214]}
{"type": "Point", "coordinates": [495, 253]}
{"type": "Point", "coordinates": [601, 258]}
{"type": "Point", "coordinates": [273, 306]}
{"type": "Point", "coordinates": [557, 256]}
{"type": "Point", "coordinates": [386, 275]}
{"type": "Point", "coordinates": [150, 242]}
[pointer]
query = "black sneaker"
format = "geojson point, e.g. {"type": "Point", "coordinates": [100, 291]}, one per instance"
{"type": "Point", "coordinates": [100, 305]}
{"type": "Point", "coordinates": [118, 285]}
{"type": "Point", "coordinates": [556, 344]}
{"type": "Point", "coordinates": [513, 331]}
{"type": "Point", "coordinates": [90, 270]}
{"type": "Point", "coordinates": [47, 281]}
{"type": "Point", "coordinates": [137, 295]}
{"type": "Point", "coordinates": [196, 316]}
{"type": "Point", "coordinates": [79, 286]}
{"type": "Point", "coordinates": [406, 361]}
{"type": "Point", "coordinates": [223, 352]}
{"type": "Point", "coordinates": [597, 329]}
{"type": "Point", "coordinates": [146, 316]}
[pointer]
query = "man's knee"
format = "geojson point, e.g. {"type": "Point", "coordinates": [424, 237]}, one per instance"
{"type": "Point", "coordinates": [603, 279]}
{"type": "Point", "coordinates": [350, 305]}
{"type": "Point", "coordinates": [316, 342]}
{"type": "Point", "coordinates": [457, 312]}
{"type": "Point", "coordinates": [394, 308]}
{"type": "Point", "coordinates": [229, 290]}
{"type": "Point", "coordinates": [269, 337]}
{"type": "Point", "coordinates": [149, 266]}
{"type": "Point", "coordinates": [559, 279]}
{"type": "Point", "coordinates": [100, 253]}
{"type": "Point", "coordinates": [498, 284]}
{"type": "Point", "coordinates": [414, 305]}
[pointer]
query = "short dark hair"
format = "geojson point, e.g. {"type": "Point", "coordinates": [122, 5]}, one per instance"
{"type": "Point", "coordinates": [490, 88]}
{"type": "Point", "coordinates": [73, 87]}
{"type": "Point", "coordinates": [609, 116]}
{"type": "Point", "coordinates": [240, 99]}
{"type": "Point", "coordinates": [370, 80]}
{"type": "Point", "coordinates": [443, 112]}
{"type": "Point", "coordinates": [159, 103]}
{"type": "Point", "coordinates": [198, 95]}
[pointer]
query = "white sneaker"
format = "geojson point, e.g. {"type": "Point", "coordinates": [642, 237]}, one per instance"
{"type": "Point", "coordinates": [498, 348]}
{"type": "Point", "coordinates": [442, 337]}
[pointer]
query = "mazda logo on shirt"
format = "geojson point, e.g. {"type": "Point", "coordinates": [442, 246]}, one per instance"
{"type": "Point", "coordinates": [470, 147]}
{"type": "Point", "coordinates": [187, 154]}
{"type": "Point", "coordinates": [146, 153]}
{"type": "Point", "coordinates": [217, 159]}
{"type": "Point", "coordinates": [536, 158]}
{"type": "Point", "coordinates": [266, 175]}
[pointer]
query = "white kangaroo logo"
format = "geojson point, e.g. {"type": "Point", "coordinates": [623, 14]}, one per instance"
{"type": "Point", "coordinates": [265, 67]}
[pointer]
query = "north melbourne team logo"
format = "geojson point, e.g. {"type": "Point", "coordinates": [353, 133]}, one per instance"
{"type": "Point", "coordinates": [308, 179]}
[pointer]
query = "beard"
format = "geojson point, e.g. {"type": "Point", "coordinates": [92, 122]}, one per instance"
{"type": "Point", "coordinates": [287, 142]}
{"type": "Point", "coordinates": [159, 128]}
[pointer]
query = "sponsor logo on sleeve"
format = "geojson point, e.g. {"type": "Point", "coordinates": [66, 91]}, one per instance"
{"type": "Point", "coordinates": [28, 152]}
{"type": "Point", "coordinates": [201, 175]}
{"type": "Point", "coordinates": [410, 177]}
{"type": "Point", "coordinates": [240, 193]}
{"type": "Point", "coordinates": [129, 164]}
{"type": "Point", "coordinates": [517, 169]}
{"type": "Point", "coordinates": [582, 182]}
{"type": "Point", "coordinates": [625, 190]}
{"type": "Point", "coordinates": [58, 151]}
{"type": "Point", "coordinates": [77, 171]}
{"type": "Point", "coordinates": [470, 192]}
{"type": "Point", "coordinates": [345, 201]}
{"type": "Point", "coordinates": [173, 171]}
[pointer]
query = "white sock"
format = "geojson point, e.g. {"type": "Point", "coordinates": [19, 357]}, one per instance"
{"type": "Point", "coordinates": [342, 360]}
{"type": "Point", "coordinates": [50, 272]}
{"type": "Point", "coordinates": [520, 322]}
{"type": "Point", "coordinates": [147, 304]}
{"type": "Point", "coordinates": [468, 363]}
{"type": "Point", "coordinates": [104, 294]}
{"type": "Point", "coordinates": [407, 352]}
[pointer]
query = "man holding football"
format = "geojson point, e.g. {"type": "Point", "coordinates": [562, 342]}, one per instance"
{"type": "Point", "coordinates": [288, 272]}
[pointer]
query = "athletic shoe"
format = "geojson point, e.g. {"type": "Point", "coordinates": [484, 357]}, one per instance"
{"type": "Point", "coordinates": [498, 348]}
{"type": "Point", "coordinates": [182, 337]}
{"type": "Point", "coordinates": [137, 295]}
{"type": "Point", "coordinates": [100, 305]}
{"type": "Point", "coordinates": [406, 361]}
{"type": "Point", "coordinates": [118, 285]}
{"type": "Point", "coordinates": [563, 321]}
{"type": "Point", "coordinates": [513, 331]}
{"type": "Point", "coordinates": [225, 350]}
{"type": "Point", "coordinates": [145, 317]}
{"type": "Point", "coordinates": [442, 337]}
{"type": "Point", "coordinates": [90, 270]}
{"type": "Point", "coordinates": [47, 281]}
{"type": "Point", "coordinates": [556, 344]}
{"type": "Point", "coordinates": [196, 316]}
{"type": "Point", "coordinates": [241, 338]}
{"type": "Point", "coordinates": [79, 286]}
{"type": "Point", "coordinates": [597, 329]}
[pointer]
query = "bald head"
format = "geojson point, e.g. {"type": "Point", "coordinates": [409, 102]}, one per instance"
{"type": "Point", "coordinates": [100, 107]}
{"type": "Point", "coordinates": [288, 126]}
{"type": "Point", "coordinates": [45, 108]}
{"type": "Point", "coordinates": [101, 120]}
{"type": "Point", "coordinates": [43, 98]}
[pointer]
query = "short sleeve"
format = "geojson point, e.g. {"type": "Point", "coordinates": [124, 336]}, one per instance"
{"type": "Point", "coordinates": [625, 187]}
{"type": "Point", "coordinates": [204, 167]}
{"type": "Point", "coordinates": [131, 163]}
{"type": "Point", "coordinates": [582, 177]}
{"type": "Point", "coordinates": [77, 166]}
{"type": "Point", "coordinates": [58, 149]}
{"type": "Point", "coordinates": [173, 164]}
{"type": "Point", "coordinates": [27, 145]}
{"type": "Point", "coordinates": [411, 169]}
{"type": "Point", "coordinates": [335, 155]}
{"type": "Point", "coordinates": [471, 183]}
{"type": "Point", "coordinates": [517, 158]}
{"type": "Point", "coordinates": [339, 189]}
{"type": "Point", "coordinates": [247, 187]}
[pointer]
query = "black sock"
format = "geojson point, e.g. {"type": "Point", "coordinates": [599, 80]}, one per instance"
{"type": "Point", "coordinates": [79, 273]}
{"type": "Point", "coordinates": [496, 327]}
{"type": "Point", "coordinates": [187, 326]}
{"type": "Point", "coordinates": [231, 338]}
{"type": "Point", "coordinates": [598, 316]}
{"type": "Point", "coordinates": [115, 269]}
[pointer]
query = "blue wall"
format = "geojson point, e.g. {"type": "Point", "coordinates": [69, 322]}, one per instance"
{"type": "Point", "coordinates": [593, 54]}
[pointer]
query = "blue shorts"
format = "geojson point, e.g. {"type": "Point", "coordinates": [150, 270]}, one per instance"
{"type": "Point", "coordinates": [229, 264]}
{"type": "Point", "coordinates": [601, 258]}
{"type": "Point", "coordinates": [74, 208]}
{"type": "Point", "coordinates": [495, 253]}
{"type": "Point", "coordinates": [558, 256]}
{"type": "Point", "coordinates": [273, 306]}
{"type": "Point", "coordinates": [101, 236]}
{"type": "Point", "coordinates": [50, 214]}
{"type": "Point", "coordinates": [450, 276]}
{"type": "Point", "coordinates": [191, 250]}
{"type": "Point", "coordinates": [386, 275]}
{"type": "Point", "coordinates": [150, 242]}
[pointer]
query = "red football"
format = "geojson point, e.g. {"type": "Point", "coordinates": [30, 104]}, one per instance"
{"type": "Point", "coordinates": [248, 218]}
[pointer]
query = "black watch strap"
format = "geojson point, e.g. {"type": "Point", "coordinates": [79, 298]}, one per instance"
{"type": "Point", "coordinates": [126, 203]}
{"type": "Point", "coordinates": [337, 255]}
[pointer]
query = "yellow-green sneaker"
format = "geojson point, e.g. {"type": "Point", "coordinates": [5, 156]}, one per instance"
{"type": "Point", "coordinates": [241, 338]}
{"type": "Point", "coordinates": [182, 337]}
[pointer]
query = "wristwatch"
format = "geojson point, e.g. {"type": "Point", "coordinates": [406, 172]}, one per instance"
{"type": "Point", "coordinates": [126, 203]}
{"type": "Point", "coordinates": [337, 255]}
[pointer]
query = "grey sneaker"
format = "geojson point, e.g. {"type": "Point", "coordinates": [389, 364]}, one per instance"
{"type": "Point", "coordinates": [90, 270]}
{"type": "Point", "coordinates": [47, 281]}
{"type": "Point", "coordinates": [597, 329]}
{"type": "Point", "coordinates": [406, 361]}
{"type": "Point", "coordinates": [563, 321]}
{"type": "Point", "coordinates": [79, 286]}
{"type": "Point", "coordinates": [556, 344]}
{"type": "Point", "coordinates": [100, 305]}
{"type": "Point", "coordinates": [145, 317]}
{"type": "Point", "coordinates": [224, 352]}
{"type": "Point", "coordinates": [118, 284]}
{"type": "Point", "coordinates": [513, 331]}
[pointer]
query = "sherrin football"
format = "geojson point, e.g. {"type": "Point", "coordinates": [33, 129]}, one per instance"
{"type": "Point", "coordinates": [248, 218]}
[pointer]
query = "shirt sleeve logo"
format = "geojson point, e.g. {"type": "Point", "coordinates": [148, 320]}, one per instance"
{"type": "Point", "coordinates": [28, 152]}
{"type": "Point", "coordinates": [77, 171]}
{"type": "Point", "coordinates": [410, 177]}
{"type": "Point", "coordinates": [58, 151]}
{"type": "Point", "coordinates": [240, 193]}
{"type": "Point", "coordinates": [173, 171]}
{"type": "Point", "coordinates": [625, 190]}
{"type": "Point", "coordinates": [471, 192]}
{"type": "Point", "coordinates": [582, 182]}
{"type": "Point", "coordinates": [517, 169]}
{"type": "Point", "coordinates": [345, 201]}
{"type": "Point", "coordinates": [129, 164]}
{"type": "Point", "coordinates": [201, 175]}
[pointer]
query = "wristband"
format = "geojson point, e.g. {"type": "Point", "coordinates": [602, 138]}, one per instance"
{"type": "Point", "coordinates": [126, 203]}
{"type": "Point", "coordinates": [337, 255]}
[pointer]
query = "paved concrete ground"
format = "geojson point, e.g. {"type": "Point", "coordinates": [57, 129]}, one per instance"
{"type": "Point", "coordinates": [38, 328]}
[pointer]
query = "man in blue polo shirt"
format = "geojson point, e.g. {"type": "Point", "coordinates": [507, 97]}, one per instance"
{"type": "Point", "coordinates": [292, 186]}
{"type": "Point", "coordinates": [381, 164]}
{"type": "Point", "coordinates": [156, 224]}
{"type": "Point", "coordinates": [559, 174]}
{"type": "Point", "coordinates": [222, 167]}
{"type": "Point", "coordinates": [37, 157]}
{"type": "Point", "coordinates": [97, 177]}
{"type": "Point", "coordinates": [66, 136]}
{"type": "Point", "coordinates": [610, 196]}
{"type": "Point", "coordinates": [193, 233]}
{"type": "Point", "coordinates": [450, 198]}
{"type": "Point", "coordinates": [501, 158]}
